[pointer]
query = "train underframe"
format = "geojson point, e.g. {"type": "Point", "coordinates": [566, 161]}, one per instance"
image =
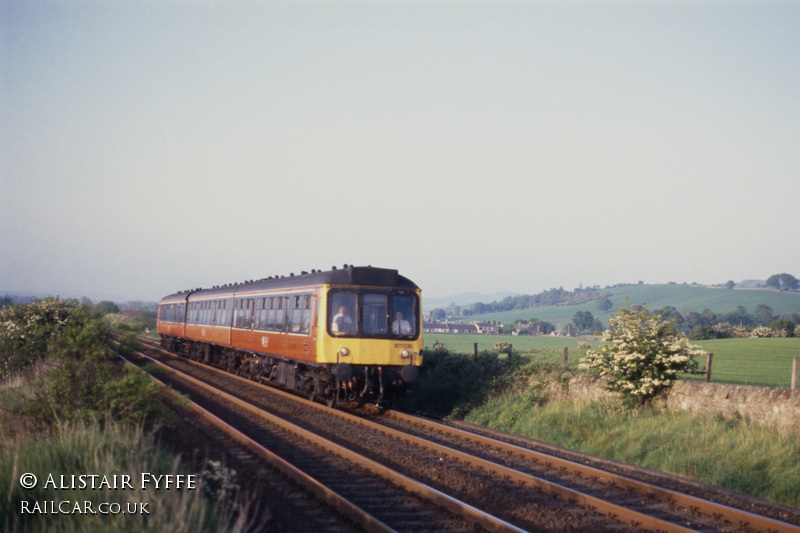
{"type": "Point", "coordinates": [333, 384]}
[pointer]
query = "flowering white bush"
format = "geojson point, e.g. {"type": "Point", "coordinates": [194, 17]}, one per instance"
{"type": "Point", "coordinates": [763, 332]}
{"type": "Point", "coordinates": [723, 330]}
{"type": "Point", "coordinates": [644, 354]}
{"type": "Point", "coordinates": [25, 330]}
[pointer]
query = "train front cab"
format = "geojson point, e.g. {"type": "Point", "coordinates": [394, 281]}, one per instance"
{"type": "Point", "coordinates": [371, 328]}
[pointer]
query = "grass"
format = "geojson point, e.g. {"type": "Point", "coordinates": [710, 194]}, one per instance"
{"type": "Point", "coordinates": [527, 344]}
{"type": "Point", "coordinates": [762, 362]}
{"type": "Point", "coordinates": [735, 454]}
{"type": "Point", "coordinates": [88, 448]}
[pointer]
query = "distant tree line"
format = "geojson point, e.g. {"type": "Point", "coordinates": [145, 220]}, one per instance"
{"type": "Point", "coordinates": [547, 298]}
{"type": "Point", "coordinates": [783, 282]}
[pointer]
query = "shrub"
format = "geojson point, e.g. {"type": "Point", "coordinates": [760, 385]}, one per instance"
{"type": "Point", "coordinates": [783, 327]}
{"type": "Point", "coordinates": [26, 330]}
{"type": "Point", "coordinates": [701, 333]}
{"type": "Point", "coordinates": [453, 383]}
{"type": "Point", "coordinates": [722, 330]}
{"type": "Point", "coordinates": [501, 347]}
{"type": "Point", "coordinates": [644, 355]}
{"type": "Point", "coordinates": [763, 332]}
{"type": "Point", "coordinates": [83, 380]}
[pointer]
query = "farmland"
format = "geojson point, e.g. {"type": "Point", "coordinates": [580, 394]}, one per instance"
{"type": "Point", "coordinates": [763, 362]}
{"type": "Point", "coordinates": [683, 297]}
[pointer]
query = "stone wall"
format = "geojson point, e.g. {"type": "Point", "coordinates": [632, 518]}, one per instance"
{"type": "Point", "coordinates": [774, 407]}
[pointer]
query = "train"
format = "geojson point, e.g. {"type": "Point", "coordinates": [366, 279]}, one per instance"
{"type": "Point", "coordinates": [349, 334]}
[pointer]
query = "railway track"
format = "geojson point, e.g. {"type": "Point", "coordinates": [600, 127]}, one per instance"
{"type": "Point", "coordinates": [524, 489]}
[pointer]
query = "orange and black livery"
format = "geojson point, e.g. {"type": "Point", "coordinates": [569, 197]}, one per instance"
{"type": "Point", "coordinates": [341, 335]}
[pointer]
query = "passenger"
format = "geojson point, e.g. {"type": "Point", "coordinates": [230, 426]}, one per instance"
{"type": "Point", "coordinates": [400, 326]}
{"type": "Point", "coordinates": [342, 323]}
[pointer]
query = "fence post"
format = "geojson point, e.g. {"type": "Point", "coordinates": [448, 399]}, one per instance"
{"type": "Point", "coordinates": [794, 373]}
{"type": "Point", "coordinates": [475, 348]}
{"type": "Point", "coordinates": [708, 367]}
{"type": "Point", "coordinates": [566, 355]}
{"type": "Point", "coordinates": [510, 350]}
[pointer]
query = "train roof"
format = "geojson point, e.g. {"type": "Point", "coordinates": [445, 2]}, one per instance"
{"type": "Point", "coordinates": [348, 275]}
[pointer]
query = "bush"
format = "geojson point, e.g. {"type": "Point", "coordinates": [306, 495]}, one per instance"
{"type": "Point", "coordinates": [763, 332]}
{"type": "Point", "coordinates": [26, 330]}
{"type": "Point", "coordinates": [701, 333]}
{"type": "Point", "coordinates": [644, 356]}
{"type": "Point", "coordinates": [83, 379]}
{"type": "Point", "coordinates": [453, 383]}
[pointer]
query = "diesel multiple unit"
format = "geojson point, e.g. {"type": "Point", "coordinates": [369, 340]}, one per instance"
{"type": "Point", "coordinates": [342, 335]}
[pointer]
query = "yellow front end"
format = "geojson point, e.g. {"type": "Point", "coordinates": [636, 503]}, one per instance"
{"type": "Point", "coordinates": [359, 349]}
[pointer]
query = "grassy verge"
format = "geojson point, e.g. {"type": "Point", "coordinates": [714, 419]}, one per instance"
{"type": "Point", "coordinates": [736, 454]}
{"type": "Point", "coordinates": [111, 449]}
{"type": "Point", "coordinates": [513, 395]}
{"type": "Point", "coordinates": [71, 414]}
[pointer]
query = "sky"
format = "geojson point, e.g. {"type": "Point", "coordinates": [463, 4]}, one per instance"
{"type": "Point", "coordinates": [151, 147]}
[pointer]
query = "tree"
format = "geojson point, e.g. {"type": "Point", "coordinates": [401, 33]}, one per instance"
{"type": "Point", "coordinates": [783, 282]}
{"type": "Point", "coordinates": [644, 355]}
{"type": "Point", "coordinates": [784, 325]}
{"type": "Point", "coordinates": [583, 320]}
{"type": "Point", "coordinates": [604, 304]}
{"type": "Point", "coordinates": [764, 314]}
{"type": "Point", "coordinates": [105, 307]}
{"type": "Point", "coordinates": [671, 313]}
{"type": "Point", "coordinates": [731, 284]}
{"type": "Point", "coordinates": [438, 314]}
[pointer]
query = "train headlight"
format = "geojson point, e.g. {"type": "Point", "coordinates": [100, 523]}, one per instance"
{"type": "Point", "coordinates": [404, 354]}
{"type": "Point", "coordinates": [344, 351]}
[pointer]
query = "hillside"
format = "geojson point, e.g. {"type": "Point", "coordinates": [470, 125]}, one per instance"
{"type": "Point", "coordinates": [683, 297]}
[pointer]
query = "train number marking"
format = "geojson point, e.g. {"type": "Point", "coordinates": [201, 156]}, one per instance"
{"type": "Point", "coordinates": [265, 341]}
{"type": "Point", "coordinates": [402, 345]}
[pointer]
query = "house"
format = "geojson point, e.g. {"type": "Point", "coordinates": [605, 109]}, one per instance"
{"type": "Point", "coordinates": [479, 328]}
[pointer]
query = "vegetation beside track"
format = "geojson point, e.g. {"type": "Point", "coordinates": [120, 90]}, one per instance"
{"type": "Point", "coordinates": [511, 394]}
{"type": "Point", "coordinates": [69, 406]}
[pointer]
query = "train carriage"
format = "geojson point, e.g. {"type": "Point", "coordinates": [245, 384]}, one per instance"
{"type": "Point", "coordinates": [349, 334]}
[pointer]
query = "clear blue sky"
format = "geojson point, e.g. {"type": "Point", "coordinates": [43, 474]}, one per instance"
{"type": "Point", "coordinates": [149, 147]}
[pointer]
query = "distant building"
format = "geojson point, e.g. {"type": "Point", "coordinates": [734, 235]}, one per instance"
{"type": "Point", "coordinates": [478, 328]}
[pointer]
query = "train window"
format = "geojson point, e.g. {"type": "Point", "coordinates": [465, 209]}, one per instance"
{"type": "Point", "coordinates": [405, 314]}
{"type": "Point", "coordinates": [280, 317]}
{"type": "Point", "coordinates": [342, 312]}
{"type": "Point", "coordinates": [261, 314]}
{"type": "Point", "coordinates": [220, 318]}
{"type": "Point", "coordinates": [300, 321]}
{"type": "Point", "coordinates": [238, 315]}
{"type": "Point", "coordinates": [374, 313]}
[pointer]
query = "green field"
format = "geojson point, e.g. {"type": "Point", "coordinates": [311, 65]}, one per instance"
{"type": "Point", "coordinates": [681, 296]}
{"type": "Point", "coordinates": [763, 362]}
